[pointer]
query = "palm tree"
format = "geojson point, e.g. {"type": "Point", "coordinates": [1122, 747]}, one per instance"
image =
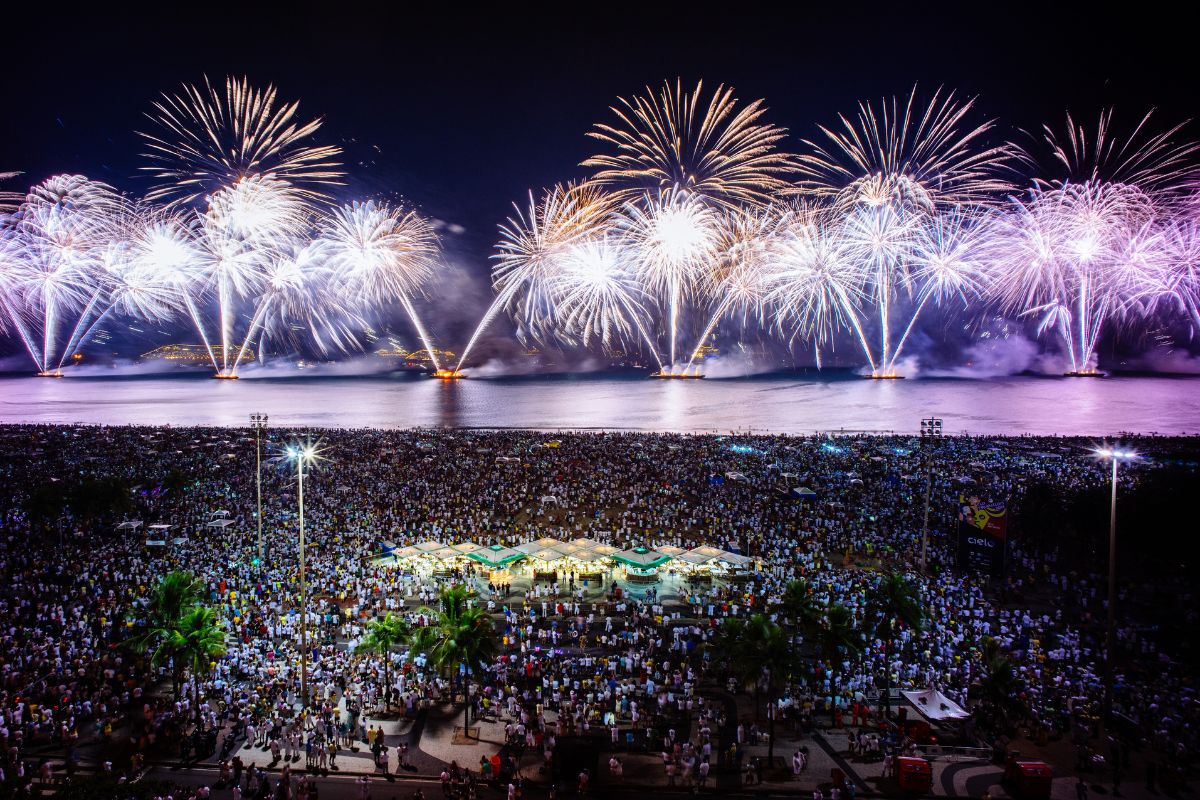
{"type": "Point", "coordinates": [458, 636]}
{"type": "Point", "coordinates": [839, 633]}
{"type": "Point", "coordinates": [759, 654]}
{"type": "Point", "coordinates": [800, 607]}
{"type": "Point", "coordinates": [197, 641]}
{"type": "Point", "coordinates": [170, 599]}
{"type": "Point", "coordinates": [729, 648]}
{"type": "Point", "coordinates": [896, 604]}
{"type": "Point", "coordinates": [384, 635]}
{"type": "Point", "coordinates": [999, 689]}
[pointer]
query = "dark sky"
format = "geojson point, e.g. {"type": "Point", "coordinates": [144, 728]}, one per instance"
{"type": "Point", "coordinates": [470, 109]}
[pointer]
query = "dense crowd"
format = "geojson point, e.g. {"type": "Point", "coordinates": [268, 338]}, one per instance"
{"type": "Point", "coordinates": [614, 659]}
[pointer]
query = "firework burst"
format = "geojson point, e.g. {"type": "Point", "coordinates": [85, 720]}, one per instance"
{"type": "Point", "coordinates": [206, 139]}
{"type": "Point", "coordinates": [382, 254]}
{"type": "Point", "coordinates": [673, 139]}
{"type": "Point", "coordinates": [599, 295]}
{"type": "Point", "coordinates": [815, 287]}
{"type": "Point", "coordinates": [1151, 161]}
{"type": "Point", "coordinates": [530, 256]}
{"type": "Point", "coordinates": [1073, 258]}
{"type": "Point", "coordinates": [674, 237]}
{"type": "Point", "coordinates": [907, 155]}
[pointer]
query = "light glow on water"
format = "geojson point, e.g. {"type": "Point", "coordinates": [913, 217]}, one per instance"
{"type": "Point", "coordinates": [782, 404]}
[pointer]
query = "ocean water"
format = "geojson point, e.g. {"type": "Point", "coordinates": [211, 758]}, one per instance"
{"type": "Point", "coordinates": [783, 403]}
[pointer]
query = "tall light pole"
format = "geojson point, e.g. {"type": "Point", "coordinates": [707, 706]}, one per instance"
{"type": "Point", "coordinates": [259, 423]}
{"type": "Point", "coordinates": [931, 432]}
{"type": "Point", "coordinates": [1116, 456]}
{"type": "Point", "coordinates": [303, 455]}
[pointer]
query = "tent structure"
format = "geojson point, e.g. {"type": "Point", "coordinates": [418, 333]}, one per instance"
{"type": "Point", "coordinates": [545, 543]}
{"type": "Point", "coordinates": [641, 557]}
{"type": "Point", "coordinates": [496, 556]}
{"type": "Point", "coordinates": [572, 549]}
{"type": "Point", "coordinates": [466, 548]}
{"type": "Point", "coordinates": [547, 554]}
{"type": "Point", "coordinates": [221, 523]}
{"type": "Point", "coordinates": [936, 706]}
{"type": "Point", "coordinates": [734, 559]}
{"type": "Point", "coordinates": [670, 550]}
{"type": "Point", "coordinates": [695, 558]}
{"type": "Point", "coordinates": [130, 525]}
{"type": "Point", "coordinates": [429, 546]}
{"type": "Point", "coordinates": [803, 492]}
{"type": "Point", "coordinates": [220, 512]}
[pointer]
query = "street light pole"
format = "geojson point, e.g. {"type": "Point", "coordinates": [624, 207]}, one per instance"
{"type": "Point", "coordinates": [303, 591]}
{"type": "Point", "coordinates": [1116, 457]}
{"type": "Point", "coordinates": [259, 423]}
{"type": "Point", "coordinates": [931, 431]}
{"type": "Point", "coordinates": [303, 455]}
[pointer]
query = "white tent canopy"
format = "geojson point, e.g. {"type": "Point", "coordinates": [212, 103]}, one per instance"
{"type": "Point", "coordinates": [694, 558]}
{"type": "Point", "coordinates": [734, 559]}
{"type": "Point", "coordinates": [130, 525]}
{"type": "Point", "coordinates": [220, 512]}
{"type": "Point", "coordinates": [935, 706]}
{"type": "Point", "coordinates": [220, 523]}
{"type": "Point", "coordinates": [545, 543]}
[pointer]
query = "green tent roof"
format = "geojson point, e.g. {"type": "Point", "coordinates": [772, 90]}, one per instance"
{"type": "Point", "coordinates": [641, 557]}
{"type": "Point", "coordinates": [496, 556]}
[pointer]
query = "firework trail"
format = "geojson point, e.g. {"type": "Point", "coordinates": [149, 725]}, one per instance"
{"type": "Point", "coordinates": [889, 172]}
{"type": "Point", "coordinates": [205, 140]}
{"type": "Point", "coordinates": [1176, 286]}
{"type": "Point", "coordinates": [673, 140]}
{"type": "Point", "coordinates": [245, 227]}
{"type": "Point", "coordinates": [301, 288]}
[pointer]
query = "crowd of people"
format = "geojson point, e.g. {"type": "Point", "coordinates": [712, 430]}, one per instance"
{"type": "Point", "coordinates": [613, 660]}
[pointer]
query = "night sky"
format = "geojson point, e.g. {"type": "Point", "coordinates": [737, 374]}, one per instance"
{"type": "Point", "coordinates": [462, 112]}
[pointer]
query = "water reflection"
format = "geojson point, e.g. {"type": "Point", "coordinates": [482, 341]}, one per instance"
{"type": "Point", "coordinates": [776, 403]}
